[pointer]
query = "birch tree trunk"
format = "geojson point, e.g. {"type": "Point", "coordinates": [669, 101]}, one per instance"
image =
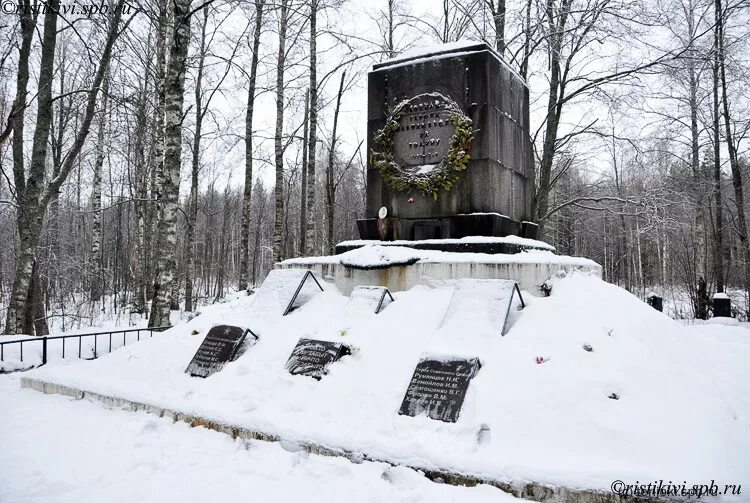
{"type": "Point", "coordinates": [313, 132]}
{"type": "Point", "coordinates": [278, 190]}
{"type": "Point", "coordinates": [96, 201]}
{"type": "Point", "coordinates": [33, 194]}
{"type": "Point", "coordinates": [248, 191]}
{"type": "Point", "coordinates": [15, 319]}
{"type": "Point", "coordinates": [29, 193]}
{"type": "Point", "coordinates": [153, 211]}
{"type": "Point", "coordinates": [169, 194]}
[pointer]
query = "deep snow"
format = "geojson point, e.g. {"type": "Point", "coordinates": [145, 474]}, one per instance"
{"type": "Point", "coordinates": [56, 449]}
{"type": "Point", "coordinates": [683, 411]}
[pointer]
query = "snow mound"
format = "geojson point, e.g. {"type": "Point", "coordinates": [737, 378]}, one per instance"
{"type": "Point", "coordinates": [722, 320]}
{"type": "Point", "coordinates": [682, 407]}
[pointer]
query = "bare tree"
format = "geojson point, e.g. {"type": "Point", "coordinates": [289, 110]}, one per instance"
{"type": "Point", "coordinates": [247, 198]}
{"type": "Point", "coordinates": [278, 138]}
{"type": "Point", "coordinates": [312, 124]}
{"type": "Point", "coordinates": [174, 89]}
{"type": "Point", "coordinates": [96, 200]}
{"type": "Point", "coordinates": [739, 198]}
{"type": "Point", "coordinates": [32, 193]}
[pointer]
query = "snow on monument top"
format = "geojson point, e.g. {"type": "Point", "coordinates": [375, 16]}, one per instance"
{"type": "Point", "coordinates": [450, 49]}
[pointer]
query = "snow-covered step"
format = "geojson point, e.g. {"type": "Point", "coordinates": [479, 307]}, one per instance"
{"type": "Point", "coordinates": [526, 489]}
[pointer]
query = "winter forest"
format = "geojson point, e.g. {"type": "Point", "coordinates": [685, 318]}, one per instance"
{"type": "Point", "coordinates": [155, 155]}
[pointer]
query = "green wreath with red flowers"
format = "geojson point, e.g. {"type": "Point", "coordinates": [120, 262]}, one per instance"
{"type": "Point", "coordinates": [446, 172]}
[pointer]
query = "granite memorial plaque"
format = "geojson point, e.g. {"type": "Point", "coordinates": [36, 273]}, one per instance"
{"type": "Point", "coordinates": [218, 347]}
{"type": "Point", "coordinates": [311, 357]}
{"type": "Point", "coordinates": [438, 388]}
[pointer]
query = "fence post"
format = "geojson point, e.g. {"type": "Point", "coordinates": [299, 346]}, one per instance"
{"type": "Point", "coordinates": [44, 350]}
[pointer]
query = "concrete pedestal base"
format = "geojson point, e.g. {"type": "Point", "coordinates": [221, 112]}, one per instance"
{"type": "Point", "coordinates": [530, 270]}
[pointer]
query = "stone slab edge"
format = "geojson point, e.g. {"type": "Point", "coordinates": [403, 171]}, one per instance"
{"type": "Point", "coordinates": [530, 490]}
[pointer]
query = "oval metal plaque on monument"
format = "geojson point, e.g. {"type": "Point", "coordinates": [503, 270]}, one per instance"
{"type": "Point", "coordinates": [424, 131]}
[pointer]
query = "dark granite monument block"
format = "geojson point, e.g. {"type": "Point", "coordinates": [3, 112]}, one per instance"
{"type": "Point", "coordinates": [218, 347]}
{"type": "Point", "coordinates": [722, 306]}
{"type": "Point", "coordinates": [492, 197]}
{"type": "Point", "coordinates": [656, 302]}
{"type": "Point", "coordinates": [311, 357]}
{"type": "Point", "coordinates": [438, 388]}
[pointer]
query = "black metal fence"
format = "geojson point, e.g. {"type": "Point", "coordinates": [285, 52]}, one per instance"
{"type": "Point", "coordinates": [44, 341]}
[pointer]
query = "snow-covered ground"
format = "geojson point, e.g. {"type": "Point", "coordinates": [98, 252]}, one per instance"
{"type": "Point", "coordinates": [683, 392]}
{"type": "Point", "coordinates": [56, 449]}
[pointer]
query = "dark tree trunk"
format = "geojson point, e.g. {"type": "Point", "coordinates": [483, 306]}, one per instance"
{"type": "Point", "coordinates": [195, 168]}
{"type": "Point", "coordinates": [303, 191]}
{"type": "Point", "coordinates": [718, 205]}
{"type": "Point", "coordinates": [278, 191]}
{"type": "Point", "coordinates": [330, 175]}
{"type": "Point", "coordinates": [247, 195]}
{"type": "Point", "coordinates": [739, 197]}
{"type": "Point", "coordinates": [30, 212]}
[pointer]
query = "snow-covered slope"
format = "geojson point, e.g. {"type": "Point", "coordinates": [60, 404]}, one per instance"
{"type": "Point", "coordinates": [95, 454]}
{"type": "Point", "coordinates": [682, 413]}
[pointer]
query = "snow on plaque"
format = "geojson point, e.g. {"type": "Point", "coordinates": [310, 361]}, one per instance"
{"type": "Point", "coordinates": [284, 290]}
{"type": "Point", "coordinates": [438, 388]}
{"type": "Point", "coordinates": [218, 347]}
{"type": "Point", "coordinates": [311, 357]}
{"type": "Point", "coordinates": [495, 300]}
{"type": "Point", "coordinates": [371, 298]}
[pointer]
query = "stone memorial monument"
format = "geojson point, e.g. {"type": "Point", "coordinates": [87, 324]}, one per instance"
{"type": "Point", "coordinates": [449, 169]}
{"type": "Point", "coordinates": [449, 152]}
